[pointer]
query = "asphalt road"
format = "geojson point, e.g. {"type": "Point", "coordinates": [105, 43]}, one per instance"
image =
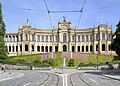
{"type": "Point", "coordinates": [32, 78]}
{"type": "Point", "coordinates": [91, 79]}
{"type": "Point", "coordinates": [67, 78]}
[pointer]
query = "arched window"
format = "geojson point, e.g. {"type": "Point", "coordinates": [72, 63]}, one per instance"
{"type": "Point", "coordinates": [64, 37]}
{"type": "Point", "coordinates": [103, 36]}
{"type": "Point", "coordinates": [26, 37]}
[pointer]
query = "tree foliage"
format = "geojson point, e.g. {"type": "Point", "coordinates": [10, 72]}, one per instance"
{"type": "Point", "coordinates": [71, 63]}
{"type": "Point", "coordinates": [115, 46]}
{"type": "Point", "coordinates": [3, 48]}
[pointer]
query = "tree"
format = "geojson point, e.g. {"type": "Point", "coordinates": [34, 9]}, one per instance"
{"type": "Point", "coordinates": [3, 48]}
{"type": "Point", "coordinates": [71, 63]}
{"type": "Point", "coordinates": [115, 45]}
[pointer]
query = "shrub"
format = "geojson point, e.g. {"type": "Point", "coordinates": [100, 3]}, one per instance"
{"type": "Point", "coordinates": [71, 63]}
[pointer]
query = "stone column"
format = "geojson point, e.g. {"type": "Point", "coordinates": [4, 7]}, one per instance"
{"type": "Point", "coordinates": [15, 48]}
{"type": "Point", "coordinates": [8, 48]}
{"type": "Point", "coordinates": [89, 43]}
{"type": "Point", "coordinates": [94, 45]}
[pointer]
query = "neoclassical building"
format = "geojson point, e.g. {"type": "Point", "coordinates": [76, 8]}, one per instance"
{"type": "Point", "coordinates": [65, 38]}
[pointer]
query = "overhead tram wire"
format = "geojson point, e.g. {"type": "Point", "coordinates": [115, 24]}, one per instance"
{"type": "Point", "coordinates": [65, 11]}
{"type": "Point", "coordinates": [48, 11]}
{"type": "Point", "coordinates": [82, 9]}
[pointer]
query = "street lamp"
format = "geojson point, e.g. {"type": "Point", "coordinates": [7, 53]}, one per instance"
{"type": "Point", "coordinates": [97, 62]}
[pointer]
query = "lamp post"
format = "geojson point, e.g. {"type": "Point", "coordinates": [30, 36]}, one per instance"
{"type": "Point", "coordinates": [97, 62]}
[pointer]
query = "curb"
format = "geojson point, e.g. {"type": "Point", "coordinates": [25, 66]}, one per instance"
{"type": "Point", "coordinates": [110, 77]}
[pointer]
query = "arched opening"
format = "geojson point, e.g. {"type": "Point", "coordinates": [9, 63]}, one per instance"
{"type": "Point", "coordinates": [50, 48]}
{"type": "Point", "coordinates": [64, 48]}
{"type": "Point", "coordinates": [91, 48]}
{"type": "Point", "coordinates": [38, 48]}
{"type": "Point", "coordinates": [86, 48]}
{"type": "Point", "coordinates": [78, 48]}
{"type": "Point", "coordinates": [103, 47]}
{"type": "Point", "coordinates": [32, 47]}
{"type": "Point", "coordinates": [46, 49]}
{"type": "Point", "coordinates": [26, 47]}
{"type": "Point", "coordinates": [16, 48]}
{"type": "Point", "coordinates": [42, 48]}
{"type": "Point", "coordinates": [96, 47]}
{"type": "Point", "coordinates": [108, 47]}
{"type": "Point", "coordinates": [13, 48]}
{"type": "Point", "coordinates": [56, 48]}
{"type": "Point", "coordinates": [20, 47]}
{"type": "Point", "coordinates": [73, 49]}
{"type": "Point", "coordinates": [82, 48]}
{"type": "Point", "coordinates": [9, 48]}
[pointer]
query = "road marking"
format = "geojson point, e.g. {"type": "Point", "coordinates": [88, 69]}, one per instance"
{"type": "Point", "coordinates": [27, 84]}
{"type": "Point", "coordinates": [63, 81]}
{"type": "Point", "coordinates": [66, 79]}
{"type": "Point", "coordinates": [92, 80]}
{"type": "Point", "coordinates": [64, 76]}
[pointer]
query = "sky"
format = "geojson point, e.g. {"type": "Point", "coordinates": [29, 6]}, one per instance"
{"type": "Point", "coordinates": [16, 13]}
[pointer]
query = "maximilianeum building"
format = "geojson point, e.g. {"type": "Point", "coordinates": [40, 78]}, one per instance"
{"type": "Point", "coordinates": [30, 40]}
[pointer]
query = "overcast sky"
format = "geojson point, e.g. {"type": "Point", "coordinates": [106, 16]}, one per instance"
{"type": "Point", "coordinates": [15, 13]}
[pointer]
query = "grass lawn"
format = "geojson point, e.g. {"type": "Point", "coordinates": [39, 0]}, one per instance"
{"type": "Point", "coordinates": [35, 59]}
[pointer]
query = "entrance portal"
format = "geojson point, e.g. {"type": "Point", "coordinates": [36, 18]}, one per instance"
{"type": "Point", "coordinates": [64, 48]}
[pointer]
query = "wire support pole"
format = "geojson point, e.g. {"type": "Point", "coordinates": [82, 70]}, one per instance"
{"type": "Point", "coordinates": [48, 11]}
{"type": "Point", "coordinates": [82, 9]}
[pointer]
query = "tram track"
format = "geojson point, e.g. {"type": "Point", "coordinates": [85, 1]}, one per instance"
{"type": "Point", "coordinates": [49, 78]}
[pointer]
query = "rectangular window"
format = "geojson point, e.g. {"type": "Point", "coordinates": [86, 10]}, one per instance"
{"type": "Point", "coordinates": [96, 37]}
{"type": "Point", "coordinates": [108, 37]}
{"type": "Point", "coordinates": [50, 38]}
{"type": "Point", "coordinates": [33, 37]}
{"type": "Point", "coordinates": [82, 38]}
{"type": "Point", "coordinates": [46, 38]}
{"type": "Point", "coordinates": [91, 38]}
{"type": "Point", "coordinates": [42, 38]}
{"type": "Point", "coordinates": [56, 37]}
{"type": "Point", "coordinates": [78, 38]}
{"type": "Point", "coordinates": [73, 38]}
{"type": "Point", "coordinates": [86, 38]}
{"type": "Point", "coordinates": [38, 38]}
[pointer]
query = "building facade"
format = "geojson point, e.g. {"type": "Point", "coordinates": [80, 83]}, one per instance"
{"type": "Point", "coordinates": [30, 40]}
